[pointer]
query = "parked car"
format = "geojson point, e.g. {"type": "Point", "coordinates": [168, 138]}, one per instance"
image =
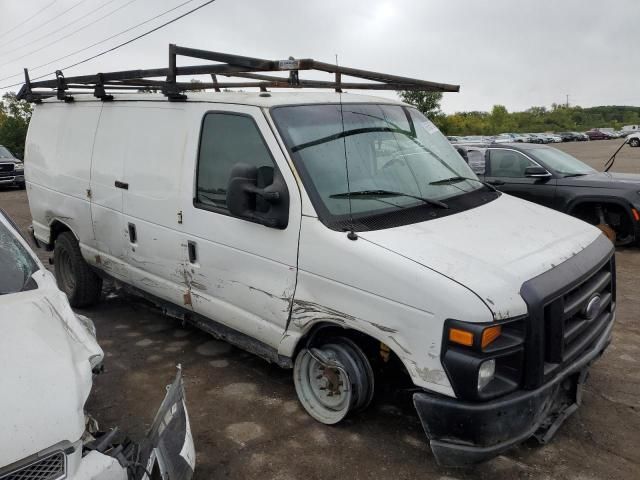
{"type": "Point", "coordinates": [554, 138]}
{"type": "Point", "coordinates": [233, 211]}
{"type": "Point", "coordinates": [633, 139]}
{"type": "Point", "coordinates": [11, 169]}
{"type": "Point", "coordinates": [597, 135]}
{"type": "Point", "coordinates": [453, 138]}
{"type": "Point", "coordinates": [581, 136]}
{"type": "Point", "coordinates": [555, 179]}
{"type": "Point", "coordinates": [502, 138]}
{"type": "Point", "coordinates": [47, 357]}
{"type": "Point", "coordinates": [542, 138]}
{"type": "Point", "coordinates": [569, 137]}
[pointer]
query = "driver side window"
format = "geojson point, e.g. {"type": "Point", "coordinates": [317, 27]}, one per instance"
{"type": "Point", "coordinates": [227, 139]}
{"type": "Point", "coordinates": [508, 163]}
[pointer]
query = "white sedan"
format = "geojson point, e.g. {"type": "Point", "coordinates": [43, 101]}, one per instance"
{"type": "Point", "coordinates": [48, 356]}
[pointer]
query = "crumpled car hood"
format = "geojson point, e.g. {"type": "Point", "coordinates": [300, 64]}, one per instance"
{"type": "Point", "coordinates": [492, 249]}
{"type": "Point", "coordinates": [45, 374]}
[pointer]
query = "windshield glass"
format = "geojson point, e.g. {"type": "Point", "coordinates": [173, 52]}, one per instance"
{"type": "Point", "coordinates": [378, 148]}
{"type": "Point", "coordinates": [4, 153]}
{"type": "Point", "coordinates": [561, 162]}
{"type": "Point", "coordinates": [16, 265]}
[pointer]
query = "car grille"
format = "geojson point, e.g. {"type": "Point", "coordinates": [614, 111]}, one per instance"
{"type": "Point", "coordinates": [574, 321]}
{"type": "Point", "coordinates": [6, 167]}
{"type": "Point", "coordinates": [52, 467]}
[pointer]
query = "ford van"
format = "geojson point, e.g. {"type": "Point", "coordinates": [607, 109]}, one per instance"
{"type": "Point", "coordinates": [337, 235]}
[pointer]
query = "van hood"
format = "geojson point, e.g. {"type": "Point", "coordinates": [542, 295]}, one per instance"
{"type": "Point", "coordinates": [45, 372]}
{"type": "Point", "coordinates": [492, 249]}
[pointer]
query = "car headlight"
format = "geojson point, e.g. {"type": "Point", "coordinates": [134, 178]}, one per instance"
{"type": "Point", "coordinates": [19, 167]}
{"type": "Point", "coordinates": [484, 360]}
{"type": "Point", "coordinates": [486, 372]}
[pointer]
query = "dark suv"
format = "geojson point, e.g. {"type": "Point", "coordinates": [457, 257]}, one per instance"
{"type": "Point", "coordinates": [11, 169]}
{"type": "Point", "coordinates": [553, 178]}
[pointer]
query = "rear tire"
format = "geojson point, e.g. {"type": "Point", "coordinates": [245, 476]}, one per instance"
{"type": "Point", "coordinates": [329, 394]}
{"type": "Point", "coordinates": [74, 276]}
{"type": "Point", "coordinates": [634, 142]}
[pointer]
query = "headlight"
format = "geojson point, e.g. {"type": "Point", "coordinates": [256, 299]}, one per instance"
{"type": "Point", "coordinates": [19, 167]}
{"type": "Point", "coordinates": [484, 360]}
{"type": "Point", "coordinates": [486, 373]}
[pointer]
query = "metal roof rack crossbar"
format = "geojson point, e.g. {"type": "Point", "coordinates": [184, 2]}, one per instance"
{"type": "Point", "coordinates": [253, 73]}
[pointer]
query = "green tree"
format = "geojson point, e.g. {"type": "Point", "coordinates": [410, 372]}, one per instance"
{"type": "Point", "coordinates": [427, 102]}
{"type": "Point", "coordinates": [14, 121]}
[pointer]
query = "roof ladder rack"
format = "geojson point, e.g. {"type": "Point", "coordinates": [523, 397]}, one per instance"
{"type": "Point", "coordinates": [252, 72]}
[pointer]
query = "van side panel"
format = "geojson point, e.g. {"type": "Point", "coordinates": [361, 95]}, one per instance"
{"type": "Point", "coordinates": [57, 167]}
{"type": "Point", "coordinates": [153, 170]}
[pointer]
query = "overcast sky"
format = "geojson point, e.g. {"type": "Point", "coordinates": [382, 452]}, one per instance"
{"type": "Point", "coordinates": [512, 52]}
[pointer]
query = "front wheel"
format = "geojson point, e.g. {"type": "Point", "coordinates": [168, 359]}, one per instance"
{"type": "Point", "coordinates": [73, 275]}
{"type": "Point", "coordinates": [634, 142]}
{"type": "Point", "coordinates": [333, 380]}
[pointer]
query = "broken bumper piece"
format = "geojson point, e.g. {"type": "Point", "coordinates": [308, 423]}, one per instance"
{"type": "Point", "coordinates": [463, 433]}
{"type": "Point", "coordinates": [166, 453]}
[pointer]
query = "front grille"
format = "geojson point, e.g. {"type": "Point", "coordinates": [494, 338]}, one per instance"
{"type": "Point", "coordinates": [574, 321]}
{"type": "Point", "coordinates": [52, 467]}
{"type": "Point", "coordinates": [6, 167]}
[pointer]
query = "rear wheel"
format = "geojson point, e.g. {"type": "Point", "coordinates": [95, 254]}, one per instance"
{"type": "Point", "coordinates": [634, 142]}
{"type": "Point", "coordinates": [74, 276]}
{"type": "Point", "coordinates": [333, 379]}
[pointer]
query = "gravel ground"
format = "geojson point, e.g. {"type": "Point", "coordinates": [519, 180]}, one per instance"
{"type": "Point", "coordinates": [247, 421]}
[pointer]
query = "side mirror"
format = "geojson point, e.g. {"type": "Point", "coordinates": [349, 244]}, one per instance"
{"type": "Point", "coordinates": [258, 195]}
{"type": "Point", "coordinates": [536, 172]}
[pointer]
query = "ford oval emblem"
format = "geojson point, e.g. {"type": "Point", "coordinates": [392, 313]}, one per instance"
{"type": "Point", "coordinates": [592, 308]}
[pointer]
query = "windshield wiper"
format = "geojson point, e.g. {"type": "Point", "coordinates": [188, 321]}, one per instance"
{"type": "Point", "coordinates": [444, 181]}
{"type": "Point", "coordinates": [388, 193]}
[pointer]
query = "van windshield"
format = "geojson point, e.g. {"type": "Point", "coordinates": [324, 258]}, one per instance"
{"type": "Point", "coordinates": [371, 148]}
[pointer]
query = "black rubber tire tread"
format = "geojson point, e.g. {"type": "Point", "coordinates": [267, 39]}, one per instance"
{"type": "Point", "coordinates": [365, 394]}
{"type": "Point", "coordinates": [634, 142]}
{"type": "Point", "coordinates": [88, 285]}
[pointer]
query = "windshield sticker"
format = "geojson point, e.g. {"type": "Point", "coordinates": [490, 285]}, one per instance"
{"type": "Point", "coordinates": [429, 126]}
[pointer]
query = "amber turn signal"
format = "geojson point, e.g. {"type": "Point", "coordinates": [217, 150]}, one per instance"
{"type": "Point", "coordinates": [461, 337]}
{"type": "Point", "coordinates": [490, 334]}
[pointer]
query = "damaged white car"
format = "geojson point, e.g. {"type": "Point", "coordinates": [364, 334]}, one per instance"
{"type": "Point", "coordinates": [47, 355]}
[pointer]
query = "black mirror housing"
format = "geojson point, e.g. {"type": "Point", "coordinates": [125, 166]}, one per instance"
{"type": "Point", "coordinates": [536, 172]}
{"type": "Point", "coordinates": [260, 196]}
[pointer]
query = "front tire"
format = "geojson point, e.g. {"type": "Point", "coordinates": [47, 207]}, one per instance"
{"type": "Point", "coordinates": [73, 275]}
{"type": "Point", "coordinates": [634, 142]}
{"type": "Point", "coordinates": [333, 380]}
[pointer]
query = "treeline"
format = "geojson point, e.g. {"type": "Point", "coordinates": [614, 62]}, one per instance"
{"type": "Point", "coordinates": [558, 118]}
{"type": "Point", "coordinates": [14, 121]}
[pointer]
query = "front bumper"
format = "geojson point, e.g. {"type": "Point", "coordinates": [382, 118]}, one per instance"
{"type": "Point", "coordinates": [462, 433]}
{"type": "Point", "coordinates": [12, 180]}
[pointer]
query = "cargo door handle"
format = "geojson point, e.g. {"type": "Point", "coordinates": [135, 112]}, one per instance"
{"type": "Point", "coordinates": [133, 236]}
{"type": "Point", "coordinates": [122, 185]}
{"type": "Point", "coordinates": [193, 253]}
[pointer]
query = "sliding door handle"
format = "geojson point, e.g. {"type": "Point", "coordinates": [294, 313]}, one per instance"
{"type": "Point", "coordinates": [193, 251]}
{"type": "Point", "coordinates": [122, 185]}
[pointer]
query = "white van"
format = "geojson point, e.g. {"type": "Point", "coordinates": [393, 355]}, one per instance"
{"type": "Point", "coordinates": [335, 234]}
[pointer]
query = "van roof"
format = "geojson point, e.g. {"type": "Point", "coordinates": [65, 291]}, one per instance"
{"type": "Point", "coordinates": [258, 99]}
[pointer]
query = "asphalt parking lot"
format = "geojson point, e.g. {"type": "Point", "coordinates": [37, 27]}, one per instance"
{"type": "Point", "coordinates": [247, 422]}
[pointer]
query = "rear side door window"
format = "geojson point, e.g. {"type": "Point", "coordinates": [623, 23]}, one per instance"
{"type": "Point", "coordinates": [226, 140]}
